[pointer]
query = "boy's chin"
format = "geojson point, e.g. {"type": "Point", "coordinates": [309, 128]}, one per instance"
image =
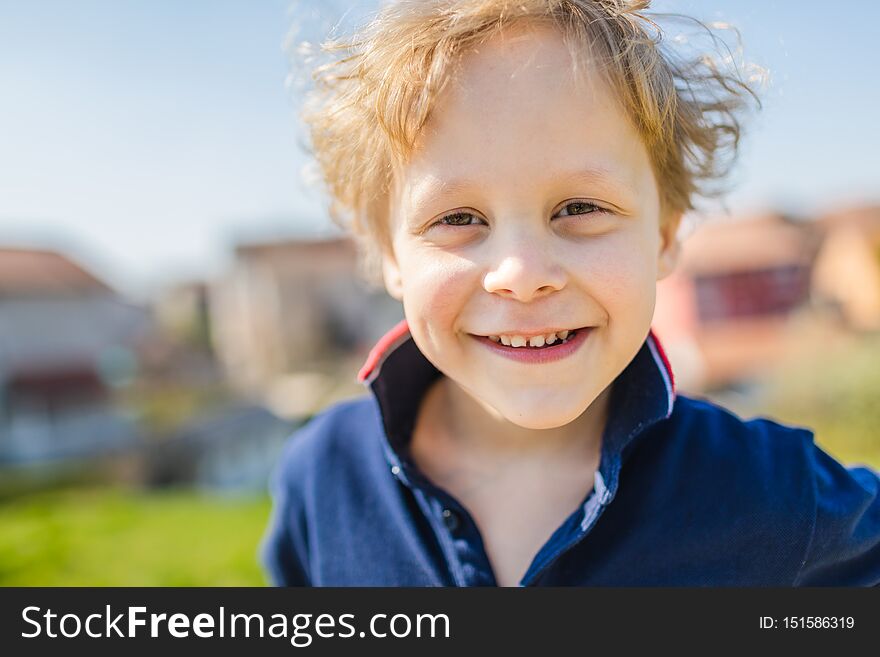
{"type": "Point", "coordinates": [538, 416]}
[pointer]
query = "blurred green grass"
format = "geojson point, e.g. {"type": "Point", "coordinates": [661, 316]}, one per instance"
{"type": "Point", "coordinates": [835, 392]}
{"type": "Point", "coordinates": [119, 537]}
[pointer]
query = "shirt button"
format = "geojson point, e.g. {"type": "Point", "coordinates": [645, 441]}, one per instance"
{"type": "Point", "coordinates": [451, 519]}
{"type": "Point", "coordinates": [395, 470]}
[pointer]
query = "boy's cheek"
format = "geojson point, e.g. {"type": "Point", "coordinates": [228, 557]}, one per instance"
{"type": "Point", "coordinates": [436, 293]}
{"type": "Point", "coordinates": [619, 275]}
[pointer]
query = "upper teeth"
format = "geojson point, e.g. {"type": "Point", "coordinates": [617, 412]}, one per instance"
{"type": "Point", "coordinates": [534, 341]}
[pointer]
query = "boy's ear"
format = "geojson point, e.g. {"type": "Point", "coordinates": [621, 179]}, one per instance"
{"type": "Point", "coordinates": [670, 246]}
{"type": "Point", "coordinates": [391, 276]}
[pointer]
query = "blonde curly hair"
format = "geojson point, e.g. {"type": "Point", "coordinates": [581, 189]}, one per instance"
{"type": "Point", "coordinates": [370, 101]}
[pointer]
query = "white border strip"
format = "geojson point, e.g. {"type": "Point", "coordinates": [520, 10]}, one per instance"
{"type": "Point", "coordinates": [597, 499]}
{"type": "Point", "coordinates": [670, 393]}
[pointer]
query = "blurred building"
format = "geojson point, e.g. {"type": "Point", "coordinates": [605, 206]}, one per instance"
{"type": "Point", "coordinates": [847, 269]}
{"type": "Point", "coordinates": [66, 340]}
{"type": "Point", "coordinates": [184, 355]}
{"type": "Point", "coordinates": [181, 310]}
{"type": "Point", "coordinates": [291, 320]}
{"type": "Point", "coordinates": [728, 310]}
{"type": "Point", "coordinates": [229, 449]}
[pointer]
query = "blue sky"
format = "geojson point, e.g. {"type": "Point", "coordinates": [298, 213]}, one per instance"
{"type": "Point", "coordinates": [145, 137]}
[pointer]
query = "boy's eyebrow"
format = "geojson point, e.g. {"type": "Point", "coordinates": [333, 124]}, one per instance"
{"type": "Point", "coordinates": [608, 176]}
{"type": "Point", "coordinates": [431, 188]}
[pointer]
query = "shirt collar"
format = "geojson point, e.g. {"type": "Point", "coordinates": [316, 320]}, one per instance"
{"type": "Point", "coordinates": [399, 374]}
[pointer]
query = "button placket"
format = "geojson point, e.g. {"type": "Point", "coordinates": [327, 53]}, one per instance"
{"type": "Point", "coordinates": [456, 532]}
{"type": "Point", "coordinates": [451, 519]}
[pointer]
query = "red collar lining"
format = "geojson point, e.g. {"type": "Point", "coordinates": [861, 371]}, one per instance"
{"type": "Point", "coordinates": [381, 349]}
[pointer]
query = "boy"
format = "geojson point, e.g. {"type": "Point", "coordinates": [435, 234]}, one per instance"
{"type": "Point", "coordinates": [520, 169]}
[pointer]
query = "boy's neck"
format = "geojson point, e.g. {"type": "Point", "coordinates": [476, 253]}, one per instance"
{"type": "Point", "coordinates": [455, 418]}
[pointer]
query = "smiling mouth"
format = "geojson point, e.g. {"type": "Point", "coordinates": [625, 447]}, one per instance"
{"type": "Point", "coordinates": [534, 342]}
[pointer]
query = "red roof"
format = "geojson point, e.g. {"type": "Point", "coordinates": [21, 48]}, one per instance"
{"type": "Point", "coordinates": [26, 272]}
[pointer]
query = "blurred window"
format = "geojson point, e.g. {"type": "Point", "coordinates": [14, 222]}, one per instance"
{"type": "Point", "coordinates": [762, 292]}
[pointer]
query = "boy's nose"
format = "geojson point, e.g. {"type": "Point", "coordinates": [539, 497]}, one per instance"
{"type": "Point", "coordinates": [524, 273]}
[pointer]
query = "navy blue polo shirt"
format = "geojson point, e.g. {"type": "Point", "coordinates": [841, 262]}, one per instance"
{"type": "Point", "coordinates": [686, 494]}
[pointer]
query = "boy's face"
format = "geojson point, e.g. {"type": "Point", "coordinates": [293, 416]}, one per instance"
{"type": "Point", "coordinates": [556, 223]}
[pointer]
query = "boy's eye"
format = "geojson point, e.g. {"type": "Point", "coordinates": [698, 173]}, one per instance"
{"type": "Point", "coordinates": [580, 207]}
{"type": "Point", "coordinates": [458, 219]}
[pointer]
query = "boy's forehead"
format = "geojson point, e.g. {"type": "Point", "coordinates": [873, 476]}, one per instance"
{"type": "Point", "coordinates": [515, 110]}
{"type": "Point", "coordinates": [512, 73]}
{"type": "Point", "coordinates": [525, 50]}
